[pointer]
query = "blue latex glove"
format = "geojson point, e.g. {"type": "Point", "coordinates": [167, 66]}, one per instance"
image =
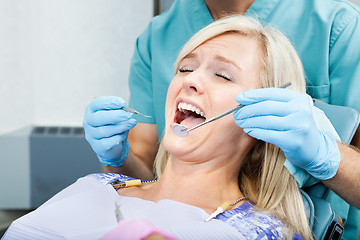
{"type": "Point", "coordinates": [284, 118]}
{"type": "Point", "coordinates": [106, 128]}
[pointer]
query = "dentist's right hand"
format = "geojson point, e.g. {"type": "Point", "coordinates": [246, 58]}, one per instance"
{"type": "Point", "coordinates": [285, 118]}
{"type": "Point", "coordinates": [106, 127]}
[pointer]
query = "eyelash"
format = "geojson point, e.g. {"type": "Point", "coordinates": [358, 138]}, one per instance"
{"type": "Point", "coordinates": [223, 76]}
{"type": "Point", "coordinates": [183, 70]}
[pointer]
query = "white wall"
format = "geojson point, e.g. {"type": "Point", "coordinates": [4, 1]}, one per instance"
{"type": "Point", "coordinates": [55, 56]}
{"type": "Point", "coordinates": [16, 100]}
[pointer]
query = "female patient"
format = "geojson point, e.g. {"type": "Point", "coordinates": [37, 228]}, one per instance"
{"type": "Point", "coordinates": [214, 164]}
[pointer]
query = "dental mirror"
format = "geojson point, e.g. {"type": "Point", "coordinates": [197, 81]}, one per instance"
{"type": "Point", "coordinates": [180, 130]}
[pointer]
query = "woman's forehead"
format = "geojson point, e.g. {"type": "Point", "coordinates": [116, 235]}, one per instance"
{"type": "Point", "coordinates": [226, 43]}
{"type": "Point", "coordinates": [233, 48]}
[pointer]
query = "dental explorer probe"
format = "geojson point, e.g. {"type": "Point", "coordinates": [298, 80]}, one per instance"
{"type": "Point", "coordinates": [135, 111]}
{"type": "Point", "coordinates": [182, 131]}
{"type": "Point", "coordinates": [132, 110]}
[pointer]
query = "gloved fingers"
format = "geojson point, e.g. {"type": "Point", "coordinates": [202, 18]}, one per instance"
{"type": "Point", "coordinates": [268, 123]}
{"type": "Point", "coordinates": [107, 117]}
{"type": "Point", "coordinates": [264, 94]}
{"type": "Point", "coordinates": [298, 149]}
{"type": "Point", "coordinates": [110, 130]}
{"type": "Point", "coordinates": [278, 138]}
{"type": "Point", "coordinates": [298, 122]}
{"type": "Point", "coordinates": [264, 108]}
{"type": "Point", "coordinates": [106, 103]}
{"type": "Point", "coordinates": [109, 148]}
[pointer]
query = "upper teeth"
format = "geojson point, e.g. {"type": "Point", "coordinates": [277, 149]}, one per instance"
{"type": "Point", "coordinates": [184, 106]}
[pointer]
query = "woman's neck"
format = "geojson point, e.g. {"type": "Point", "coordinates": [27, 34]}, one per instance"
{"type": "Point", "coordinates": [193, 185]}
{"type": "Point", "coordinates": [219, 9]}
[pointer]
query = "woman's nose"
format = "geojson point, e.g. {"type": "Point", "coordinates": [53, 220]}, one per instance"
{"type": "Point", "coordinates": [193, 83]}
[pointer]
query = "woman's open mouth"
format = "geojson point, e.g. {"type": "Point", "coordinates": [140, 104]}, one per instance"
{"type": "Point", "coordinates": [188, 115]}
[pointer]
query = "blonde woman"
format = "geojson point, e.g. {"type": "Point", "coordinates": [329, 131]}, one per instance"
{"type": "Point", "coordinates": [215, 164]}
{"type": "Point", "coordinates": [262, 177]}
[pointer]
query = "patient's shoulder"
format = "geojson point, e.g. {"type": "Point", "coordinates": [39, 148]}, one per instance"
{"type": "Point", "coordinates": [254, 224]}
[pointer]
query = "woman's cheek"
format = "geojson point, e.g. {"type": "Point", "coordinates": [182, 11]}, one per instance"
{"type": "Point", "coordinates": [171, 92]}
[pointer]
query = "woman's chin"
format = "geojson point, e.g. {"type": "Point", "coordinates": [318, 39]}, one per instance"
{"type": "Point", "coordinates": [177, 146]}
{"type": "Point", "coordinates": [174, 146]}
{"type": "Point", "coordinates": [183, 146]}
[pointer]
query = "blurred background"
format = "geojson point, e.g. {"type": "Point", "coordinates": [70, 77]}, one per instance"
{"type": "Point", "coordinates": [55, 57]}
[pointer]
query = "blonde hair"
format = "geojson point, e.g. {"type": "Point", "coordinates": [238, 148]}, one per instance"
{"type": "Point", "coordinates": [263, 169]}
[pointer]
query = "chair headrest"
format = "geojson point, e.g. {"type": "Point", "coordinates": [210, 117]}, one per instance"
{"type": "Point", "coordinates": [344, 119]}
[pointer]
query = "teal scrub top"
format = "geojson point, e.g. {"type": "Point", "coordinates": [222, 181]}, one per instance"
{"type": "Point", "coordinates": [326, 34]}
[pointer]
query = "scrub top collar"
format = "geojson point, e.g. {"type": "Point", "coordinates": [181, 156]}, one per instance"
{"type": "Point", "coordinates": [200, 14]}
{"type": "Point", "coordinates": [260, 9]}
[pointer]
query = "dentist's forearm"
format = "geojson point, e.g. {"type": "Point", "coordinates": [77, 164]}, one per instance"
{"type": "Point", "coordinates": [143, 141]}
{"type": "Point", "coordinates": [133, 167]}
{"type": "Point", "coordinates": [346, 182]}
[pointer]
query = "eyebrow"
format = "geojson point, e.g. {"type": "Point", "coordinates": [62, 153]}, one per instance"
{"type": "Point", "coordinates": [223, 59]}
{"type": "Point", "coordinates": [190, 55]}
{"type": "Point", "coordinates": [217, 58]}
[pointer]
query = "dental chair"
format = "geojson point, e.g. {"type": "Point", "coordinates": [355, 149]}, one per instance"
{"type": "Point", "coordinates": [324, 218]}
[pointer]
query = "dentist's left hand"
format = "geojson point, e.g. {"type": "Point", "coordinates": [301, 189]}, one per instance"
{"type": "Point", "coordinates": [106, 128]}
{"type": "Point", "coordinates": [285, 118]}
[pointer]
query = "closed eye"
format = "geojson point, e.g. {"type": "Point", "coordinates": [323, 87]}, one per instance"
{"type": "Point", "coordinates": [182, 70]}
{"type": "Point", "coordinates": [222, 75]}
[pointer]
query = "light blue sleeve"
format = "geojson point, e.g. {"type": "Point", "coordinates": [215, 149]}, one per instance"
{"type": "Point", "coordinates": [344, 62]}
{"type": "Point", "coordinates": [140, 78]}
